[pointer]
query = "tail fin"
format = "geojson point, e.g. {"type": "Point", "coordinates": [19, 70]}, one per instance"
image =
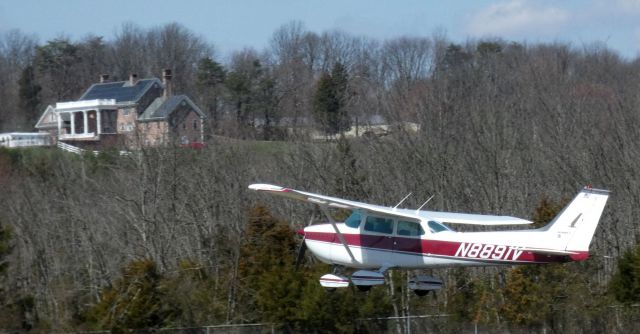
{"type": "Point", "coordinates": [577, 222]}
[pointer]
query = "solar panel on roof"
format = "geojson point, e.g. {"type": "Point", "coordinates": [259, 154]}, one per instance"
{"type": "Point", "coordinates": [117, 90]}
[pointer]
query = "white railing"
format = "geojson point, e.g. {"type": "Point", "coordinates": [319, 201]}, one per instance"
{"type": "Point", "coordinates": [74, 149]}
{"type": "Point", "coordinates": [89, 135]}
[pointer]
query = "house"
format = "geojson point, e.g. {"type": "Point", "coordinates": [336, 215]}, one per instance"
{"type": "Point", "coordinates": [130, 114]}
{"type": "Point", "coordinates": [24, 139]}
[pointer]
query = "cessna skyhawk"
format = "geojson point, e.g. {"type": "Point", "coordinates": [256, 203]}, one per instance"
{"type": "Point", "coordinates": [377, 238]}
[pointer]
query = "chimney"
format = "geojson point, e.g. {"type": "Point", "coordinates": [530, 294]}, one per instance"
{"type": "Point", "coordinates": [133, 79]}
{"type": "Point", "coordinates": [104, 78]}
{"type": "Point", "coordinates": [166, 80]}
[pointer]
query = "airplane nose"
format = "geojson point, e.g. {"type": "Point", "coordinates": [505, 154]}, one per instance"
{"type": "Point", "coordinates": [301, 232]}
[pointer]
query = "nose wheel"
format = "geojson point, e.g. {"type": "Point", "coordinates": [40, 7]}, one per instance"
{"type": "Point", "coordinates": [364, 288]}
{"type": "Point", "coordinates": [421, 293]}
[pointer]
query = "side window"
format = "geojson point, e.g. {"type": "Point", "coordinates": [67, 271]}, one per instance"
{"type": "Point", "coordinates": [379, 225]}
{"type": "Point", "coordinates": [436, 227]}
{"type": "Point", "coordinates": [354, 220]}
{"type": "Point", "coordinates": [411, 229]}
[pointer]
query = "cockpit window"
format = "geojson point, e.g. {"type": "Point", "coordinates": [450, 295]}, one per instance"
{"type": "Point", "coordinates": [379, 224]}
{"type": "Point", "coordinates": [411, 229]}
{"type": "Point", "coordinates": [354, 220]}
{"type": "Point", "coordinates": [436, 227]}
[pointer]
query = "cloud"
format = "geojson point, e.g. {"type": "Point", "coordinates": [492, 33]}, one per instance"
{"type": "Point", "coordinates": [629, 5]}
{"type": "Point", "coordinates": [517, 17]}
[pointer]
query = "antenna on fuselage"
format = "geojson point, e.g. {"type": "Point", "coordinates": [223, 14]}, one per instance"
{"type": "Point", "coordinates": [402, 200]}
{"type": "Point", "coordinates": [425, 203]}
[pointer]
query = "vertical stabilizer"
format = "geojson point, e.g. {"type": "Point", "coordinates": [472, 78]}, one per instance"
{"type": "Point", "coordinates": [574, 227]}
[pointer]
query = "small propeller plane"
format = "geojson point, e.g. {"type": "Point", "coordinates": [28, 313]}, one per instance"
{"type": "Point", "coordinates": [377, 238]}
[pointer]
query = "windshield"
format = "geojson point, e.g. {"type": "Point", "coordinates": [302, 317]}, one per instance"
{"type": "Point", "coordinates": [354, 220]}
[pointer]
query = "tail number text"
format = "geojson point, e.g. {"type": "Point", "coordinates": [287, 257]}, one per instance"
{"type": "Point", "coordinates": [487, 251]}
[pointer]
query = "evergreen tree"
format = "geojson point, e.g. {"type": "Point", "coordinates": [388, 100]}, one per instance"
{"type": "Point", "coordinates": [340, 80]}
{"type": "Point", "coordinates": [5, 250]}
{"type": "Point", "coordinates": [330, 99]}
{"type": "Point", "coordinates": [29, 92]}
{"type": "Point", "coordinates": [55, 63]}
{"type": "Point", "coordinates": [535, 295]}
{"type": "Point", "coordinates": [625, 284]}
{"type": "Point", "coordinates": [350, 178]}
{"type": "Point", "coordinates": [209, 82]}
{"type": "Point", "coordinates": [267, 268]}
{"type": "Point", "coordinates": [135, 301]}
{"type": "Point", "coordinates": [276, 293]}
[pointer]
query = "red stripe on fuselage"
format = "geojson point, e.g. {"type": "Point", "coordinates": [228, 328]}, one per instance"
{"type": "Point", "coordinates": [452, 249]}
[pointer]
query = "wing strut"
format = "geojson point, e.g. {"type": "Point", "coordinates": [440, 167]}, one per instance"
{"type": "Point", "coordinates": [335, 227]}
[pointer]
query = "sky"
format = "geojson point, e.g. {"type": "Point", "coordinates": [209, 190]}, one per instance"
{"type": "Point", "coordinates": [231, 25]}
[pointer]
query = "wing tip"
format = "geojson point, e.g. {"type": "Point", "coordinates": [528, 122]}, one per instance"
{"type": "Point", "coordinates": [267, 187]}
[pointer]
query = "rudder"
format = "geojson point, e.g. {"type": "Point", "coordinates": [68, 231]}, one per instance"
{"type": "Point", "coordinates": [577, 222]}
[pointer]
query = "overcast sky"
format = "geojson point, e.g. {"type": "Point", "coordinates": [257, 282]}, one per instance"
{"type": "Point", "coordinates": [233, 24]}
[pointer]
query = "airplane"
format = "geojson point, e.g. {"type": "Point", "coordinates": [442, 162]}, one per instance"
{"type": "Point", "coordinates": [374, 238]}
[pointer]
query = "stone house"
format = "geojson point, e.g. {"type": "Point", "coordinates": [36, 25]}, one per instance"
{"type": "Point", "coordinates": [125, 114]}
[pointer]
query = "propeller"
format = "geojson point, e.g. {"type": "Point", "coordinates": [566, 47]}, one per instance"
{"type": "Point", "coordinates": [303, 247]}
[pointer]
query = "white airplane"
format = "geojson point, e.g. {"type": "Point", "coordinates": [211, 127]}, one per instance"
{"type": "Point", "coordinates": [377, 238]}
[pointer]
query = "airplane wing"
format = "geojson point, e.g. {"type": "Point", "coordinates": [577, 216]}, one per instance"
{"type": "Point", "coordinates": [443, 217]}
{"type": "Point", "coordinates": [474, 219]}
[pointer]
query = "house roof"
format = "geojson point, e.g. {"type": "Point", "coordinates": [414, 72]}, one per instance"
{"type": "Point", "coordinates": [121, 91]}
{"type": "Point", "coordinates": [162, 107]}
{"type": "Point", "coordinates": [43, 123]}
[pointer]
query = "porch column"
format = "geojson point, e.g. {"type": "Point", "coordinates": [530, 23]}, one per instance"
{"type": "Point", "coordinates": [86, 122]}
{"type": "Point", "coordinates": [59, 124]}
{"type": "Point", "coordinates": [73, 123]}
{"type": "Point", "coordinates": [98, 125]}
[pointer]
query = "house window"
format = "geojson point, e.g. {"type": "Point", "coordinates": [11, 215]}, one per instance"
{"type": "Point", "coordinates": [195, 124]}
{"type": "Point", "coordinates": [146, 126]}
{"type": "Point", "coordinates": [125, 112]}
{"type": "Point", "coordinates": [184, 125]}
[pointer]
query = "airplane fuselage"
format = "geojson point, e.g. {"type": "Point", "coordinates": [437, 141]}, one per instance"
{"type": "Point", "coordinates": [443, 248]}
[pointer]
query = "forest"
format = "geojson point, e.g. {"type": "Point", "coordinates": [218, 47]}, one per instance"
{"type": "Point", "coordinates": [170, 237]}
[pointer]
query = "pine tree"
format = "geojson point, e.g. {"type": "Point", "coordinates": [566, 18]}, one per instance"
{"type": "Point", "coordinates": [29, 95]}
{"type": "Point", "coordinates": [625, 284]}
{"type": "Point", "coordinates": [135, 301]}
{"type": "Point", "coordinates": [209, 81]}
{"type": "Point", "coordinates": [267, 268]}
{"type": "Point", "coordinates": [330, 99]}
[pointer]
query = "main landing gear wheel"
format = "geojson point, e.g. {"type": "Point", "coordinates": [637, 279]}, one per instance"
{"type": "Point", "coordinates": [364, 288]}
{"type": "Point", "coordinates": [421, 293]}
{"type": "Point", "coordinates": [330, 290]}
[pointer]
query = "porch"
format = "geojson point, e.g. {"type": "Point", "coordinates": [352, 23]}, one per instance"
{"type": "Point", "coordinates": [86, 120]}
